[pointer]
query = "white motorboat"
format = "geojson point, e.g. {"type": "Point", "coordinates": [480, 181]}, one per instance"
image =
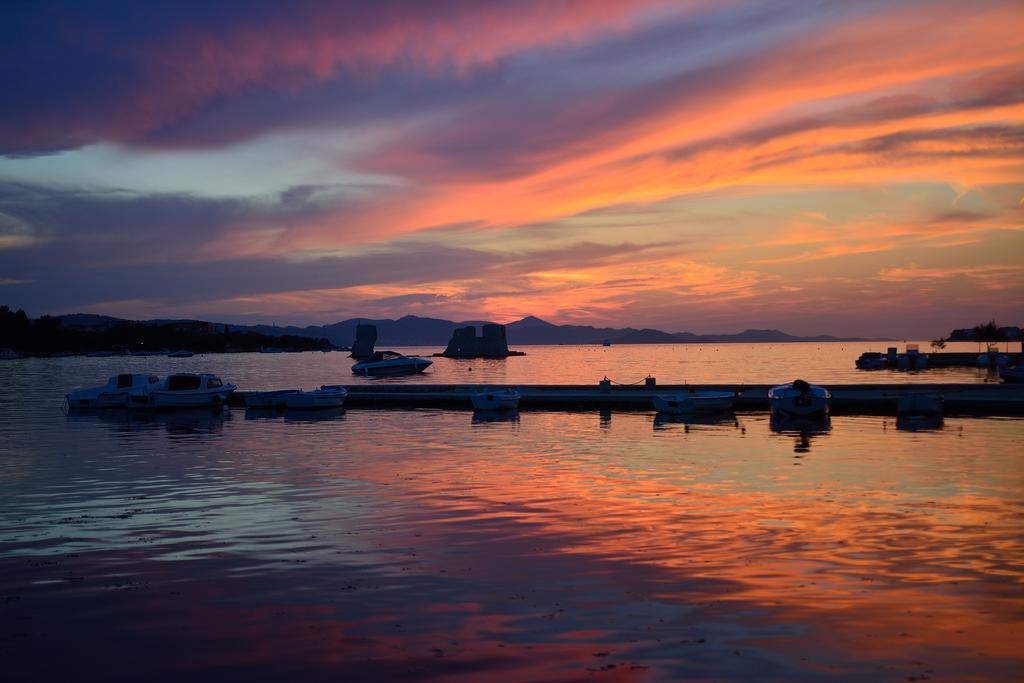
{"type": "Point", "coordinates": [181, 353]}
{"type": "Point", "coordinates": [185, 390]}
{"type": "Point", "coordinates": [390, 363]}
{"type": "Point", "coordinates": [799, 398]}
{"type": "Point", "coordinates": [114, 394]}
{"type": "Point", "coordinates": [919, 404]}
{"type": "Point", "coordinates": [327, 396]}
{"type": "Point", "coordinates": [503, 399]}
{"type": "Point", "coordinates": [693, 401]}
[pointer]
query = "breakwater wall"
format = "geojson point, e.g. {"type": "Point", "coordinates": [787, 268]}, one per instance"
{"type": "Point", "coordinates": [959, 359]}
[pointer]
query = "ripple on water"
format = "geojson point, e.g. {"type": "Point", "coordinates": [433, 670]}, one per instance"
{"type": "Point", "coordinates": [387, 544]}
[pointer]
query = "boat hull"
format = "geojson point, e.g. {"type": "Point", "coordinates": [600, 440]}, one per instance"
{"type": "Point", "coordinates": [268, 399]}
{"type": "Point", "coordinates": [320, 399]}
{"type": "Point", "coordinates": [186, 399]}
{"type": "Point", "coordinates": [315, 400]}
{"type": "Point", "coordinates": [694, 402]}
{"type": "Point", "coordinates": [495, 401]}
{"type": "Point", "coordinates": [77, 401]}
{"type": "Point", "coordinates": [814, 405]}
{"type": "Point", "coordinates": [386, 368]}
{"type": "Point", "coordinates": [790, 401]}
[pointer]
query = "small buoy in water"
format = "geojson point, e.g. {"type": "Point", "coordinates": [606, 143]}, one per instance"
{"type": "Point", "coordinates": [471, 369]}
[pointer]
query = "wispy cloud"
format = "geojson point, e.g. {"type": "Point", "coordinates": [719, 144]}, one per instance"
{"type": "Point", "coordinates": [618, 162]}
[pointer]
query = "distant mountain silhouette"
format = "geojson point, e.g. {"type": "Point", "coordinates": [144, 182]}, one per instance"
{"type": "Point", "coordinates": [89, 320]}
{"type": "Point", "coordinates": [411, 330]}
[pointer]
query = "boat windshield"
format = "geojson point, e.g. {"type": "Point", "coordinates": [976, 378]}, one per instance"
{"type": "Point", "coordinates": [183, 382]}
{"type": "Point", "coordinates": [124, 381]}
{"type": "Point", "coordinates": [214, 383]}
{"type": "Point", "coordinates": [385, 355]}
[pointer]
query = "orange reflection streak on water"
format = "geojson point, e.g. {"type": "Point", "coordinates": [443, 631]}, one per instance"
{"type": "Point", "coordinates": [544, 548]}
{"type": "Point", "coordinates": [879, 569]}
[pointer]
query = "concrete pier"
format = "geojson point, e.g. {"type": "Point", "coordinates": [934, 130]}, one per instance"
{"type": "Point", "coordinates": [867, 399]}
{"type": "Point", "coordinates": [955, 359]}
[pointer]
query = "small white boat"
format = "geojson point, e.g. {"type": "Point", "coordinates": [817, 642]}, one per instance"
{"type": "Point", "coordinates": [919, 404]}
{"type": "Point", "coordinates": [181, 353]}
{"type": "Point", "coordinates": [99, 354]}
{"type": "Point", "coordinates": [115, 393]}
{"type": "Point", "coordinates": [390, 363]}
{"type": "Point", "coordinates": [799, 398]}
{"type": "Point", "coordinates": [186, 390]}
{"type": "Point", "coordinates": [693, 401]}
{"type": "Point", "coordinates": [503, 399]}
{"type": "Point", "coordinates": [327, 396]}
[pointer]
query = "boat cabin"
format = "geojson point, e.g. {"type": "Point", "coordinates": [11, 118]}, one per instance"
{"type": "Point", "coordinates": [383, 355]}
{"type": "Point", "coordinates": [127, 381]}
{"type": "Point", "coordinates": [189, 382]}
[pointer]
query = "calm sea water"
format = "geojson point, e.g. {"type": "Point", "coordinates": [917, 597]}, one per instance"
{"type": "Point", "coordinates": [441, 545]}
{"type": "Point", "coordinates": [668, 363]}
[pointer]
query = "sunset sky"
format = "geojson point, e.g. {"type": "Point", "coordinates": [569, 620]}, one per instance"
{"type": "Point", "coordinates": [853, 168]}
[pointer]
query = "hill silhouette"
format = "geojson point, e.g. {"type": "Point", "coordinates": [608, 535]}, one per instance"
{"type": "Point", "coordinates": [411, 330]}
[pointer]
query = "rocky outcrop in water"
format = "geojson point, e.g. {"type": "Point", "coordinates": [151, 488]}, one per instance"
{"type": "Point", "coordinates": [366, 339]}
{"type": "Point", "coordinates": [492, 344]}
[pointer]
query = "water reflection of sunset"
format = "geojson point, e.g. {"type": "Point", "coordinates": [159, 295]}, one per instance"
{"type": "Point", "coordinates": [550, 547]}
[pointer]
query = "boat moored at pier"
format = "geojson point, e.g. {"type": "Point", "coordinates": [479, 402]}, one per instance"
{"type": "Point", "coordinates": [185, 390]}
{"type": "Point", "coordinates": [693, 401]}
{"type": "Point", "coordinates": [327, 396]}
{"type": "Point", "coordinates": [116, 393]}
{"type": "Point", "coordinates": [911, 360]}
{"type": "Point", "coordinates": [503, 399]}
{"type": "Point", "coordinates": [799, 398]}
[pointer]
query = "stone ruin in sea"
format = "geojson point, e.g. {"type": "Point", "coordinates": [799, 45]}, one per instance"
{"type": "Point", "coordinates": [366, 339]}
{"type": "Point", "coordinates": [492, 344]}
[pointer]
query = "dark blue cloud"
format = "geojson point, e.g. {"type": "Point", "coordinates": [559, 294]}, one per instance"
{"type": "Point", "coordinates": [203, 73]}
